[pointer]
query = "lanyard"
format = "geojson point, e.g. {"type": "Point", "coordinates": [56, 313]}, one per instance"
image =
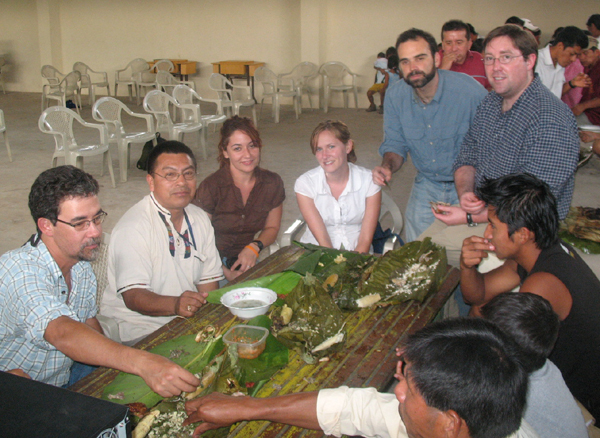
{"type": "Point", "coordinates": [184, 236]}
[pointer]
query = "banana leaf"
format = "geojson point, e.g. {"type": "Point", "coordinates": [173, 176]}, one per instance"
{"type": "Point", "coordinates": [184, 351]}
{"type": "Point", "coordinates": [411, 272]}
{"type": "Point", "coordinates": [583, 223]}
{"type": "Point", "coordinates": [586, 246]}
{"type": "Point", "coordinates": [316, 321]}
{"type": "Point", "coordinates": [281, 283]}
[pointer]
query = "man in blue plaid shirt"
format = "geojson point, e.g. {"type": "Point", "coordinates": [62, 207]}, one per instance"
{"type": "Point", "coordinates": [48, 293]}
{"type": "Point", "coordinates": [520, 127]}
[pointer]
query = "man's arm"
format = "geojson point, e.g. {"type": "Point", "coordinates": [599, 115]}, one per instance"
{"type": "Point", "coordinates": [95, 324]}
{"type": "Point", "coordinates": [582, 106]}
{"type": "Point", "coordinates": [464, 180]}
{"type": "Point", "coordinates": [581, 80]}
{"type": "Point", "coordinates": [390, 164]}
{"type": "Point", "coordinates": [82, 344]}
{"type": "Point", "coordinates": [478, 288]}
{"type": "Point", "coordinates": [550, 287]}
{"type": "Point", "coordinates": [218, 410]}
{"type": "Point", "coordinates": [149, 303]}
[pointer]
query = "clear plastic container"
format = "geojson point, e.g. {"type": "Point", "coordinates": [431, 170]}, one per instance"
{"type": "Point", "coordinates": [249, 340]}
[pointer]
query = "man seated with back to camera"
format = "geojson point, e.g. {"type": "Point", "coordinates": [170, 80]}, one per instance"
{"type": "Point", "coordinates": [523, 231]}
{"type": "Point", "coordinates": [529, 319]}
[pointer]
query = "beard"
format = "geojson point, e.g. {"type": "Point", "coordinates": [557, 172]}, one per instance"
{"type": "Point", "coordinates": [90, 254]}
{"type": "Point", "coordinates": [421, 82]}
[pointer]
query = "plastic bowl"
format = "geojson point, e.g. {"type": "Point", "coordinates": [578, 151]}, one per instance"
{"type": "Point", "coordinates": [248, 302]}
{"type": "Point", "coordinates": [249, 340]}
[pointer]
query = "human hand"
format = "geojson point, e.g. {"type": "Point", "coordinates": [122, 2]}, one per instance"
{"type": "Point", "coordinates": [474, 249]}
{"type": "Point", "coordinates": [470, 203]}
{"type": "Point", "coordinates": [450, 215]}
{"type": "Point", "coordinates": [587, 136]}
{"type": "Point", "coordinates": [246, 260]}
{"type": "Point", "coordinates": [581, 80]}
{"type": "Point", "coordinates": [578, 109]}
{"type": "Point", "coordinates": [165, 377]}
{"type": "Point", "coordinates": [214, 410]}
{"type": "Point", "coordinates": [231, 275]}
{"type": "Point", "coordinates": [381, 175]}
{"type": "Point", "coordinates": [447, 60]}
{"type": "Point", "coordinates": [20, 373]}
{"type": "Point", "coordinates": [189, 302]}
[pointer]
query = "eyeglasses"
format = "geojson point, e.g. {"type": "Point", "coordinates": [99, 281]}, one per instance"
{"type": "Point", "coordinates": [188, 175]}
{"type": "Point", "coordinates": [85, 224]}
{"type": "Point", "coordinates": [502, 59]}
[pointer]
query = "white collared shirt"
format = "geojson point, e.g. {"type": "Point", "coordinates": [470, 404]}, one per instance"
{"type": "Point", "coordinates": [553, 77]}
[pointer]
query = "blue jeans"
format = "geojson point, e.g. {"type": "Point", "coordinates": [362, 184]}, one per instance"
{"type": "Point", "coordinates": [418, 211]}
{"type": "Point", "coordinates": [79, 371]}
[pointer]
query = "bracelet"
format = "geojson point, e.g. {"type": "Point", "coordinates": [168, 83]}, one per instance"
{"type": "Point", "coordinates": [252, 249]}
{"type": "Point", "coordinates": [259, 244]}
{"type": "Point", "coordinates": [470, 220]}
{"type": "Point", "coordinates": [571, 85]}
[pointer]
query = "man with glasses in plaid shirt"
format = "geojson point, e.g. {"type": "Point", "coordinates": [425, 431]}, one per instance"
{"type": "Point", "coordinates": [162, 257]}
{"type": "Point", "coordinates": [48, 293]}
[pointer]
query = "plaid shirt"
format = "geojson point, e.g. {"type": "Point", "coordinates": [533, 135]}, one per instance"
{"type": "Point", "coordinates": [33, 293]}
{"type": "Point", "coordinates": [538, 135]}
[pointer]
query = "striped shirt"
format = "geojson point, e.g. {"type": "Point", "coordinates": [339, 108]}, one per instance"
{"type": "Point", "coordinates": [33, 293]}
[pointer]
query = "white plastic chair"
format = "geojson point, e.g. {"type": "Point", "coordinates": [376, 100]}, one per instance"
{"type": "Point", "coordinates": [148, 79]}
{"type": "Point", "coordinates": [389, 212]}
{"type": "Point", "coordinates": [108, 110]}
{"type": "Point", "coordinates": [334, 74]}
{"type": "Point", "coordinates": [3, 131]}
{"type": "Point", "coordinates": [269, 82]}
{"type": "Point", "coordinates": [58, 121]}
{"type": "Point", "coordinates": [2, 64]}
{"type": "Point", "coordinates": [67, 89]}
{"type": "Point", "coordinates": [52, 75]}
{"type": "Point", "coordinates": [100, 268]}
{"type": "Point", "coordinates": [91, 79]}
{"type": "Point", "coordinates": [299, 79]}
{"type": "Point", "coordinates": [226, 93]}
{"type": "Point", "coordinates": [157, 103]}
{"type": "Point", "coordinates": [185, 96]}
{"type": "Point", "coordinates": [166, 82]}
{"type": "Point", "coordinates": [128, 76]}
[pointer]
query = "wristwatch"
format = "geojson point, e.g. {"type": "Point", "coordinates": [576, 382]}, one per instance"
{"type": "Point", "coordinates": [470, 220]}
{"type": "Point", "coordinates": [259, 244]}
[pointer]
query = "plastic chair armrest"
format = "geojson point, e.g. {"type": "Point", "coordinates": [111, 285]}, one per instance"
{"type": "Point", "coordinates": [292, 232]}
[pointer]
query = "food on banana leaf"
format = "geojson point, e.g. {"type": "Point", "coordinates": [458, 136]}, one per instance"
{"type": "Point", "coordinates": [411, 272]}
{"type": "Point", "coordinates": [586, 246]}
{"type": "Point", "coordinates": [584, 223]}
{"type": "Point", "coordinates": [315, 320]}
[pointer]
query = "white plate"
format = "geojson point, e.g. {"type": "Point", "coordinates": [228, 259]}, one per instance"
{"type": "Point", "coordinates": [590, 128]}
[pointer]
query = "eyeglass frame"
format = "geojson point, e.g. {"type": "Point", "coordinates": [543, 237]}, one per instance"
{"type": "Point", "coordinates": [194, 175]}
{"type": "Point", "coordinates": [508, 58]}
{"type": "Point", "coordinates": [97, 220]}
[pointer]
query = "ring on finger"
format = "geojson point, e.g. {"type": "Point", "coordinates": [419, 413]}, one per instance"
{"type": "Point", "coordinates": [189, 308]}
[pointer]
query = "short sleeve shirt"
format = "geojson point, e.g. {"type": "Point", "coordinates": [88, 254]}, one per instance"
{"type": "Point", "coordinates": [236, 224]}
{"type": "Point", "coordinates": [33, 292]}
{"type": "Point", "coordinates": [140, 255]}
{"type": "Point", "coordinates": [343, 217]}
{"type": "Point", "coordinates": [551, 76]}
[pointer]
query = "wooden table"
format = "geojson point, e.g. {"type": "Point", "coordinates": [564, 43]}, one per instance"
{"type": "Point", "coordinates": [368, 359]}
{"type": "Point", "coordinates": [183, 67]}
{"type": "Point", "coordinates": [238, 69]}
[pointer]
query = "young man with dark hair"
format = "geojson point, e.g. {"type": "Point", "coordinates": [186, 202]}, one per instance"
{"type": "Point", "coordinates": [593, 25]}
{"type": "Point", "coordinates": [551, 409]}
{"type": "Point", "coordinates": [456, 52]}
{"type": "Point", "coordinates": [559, 54]}
{"type": "Point", "coordinates": [523, 231]}
{"type": "Point", "coordinates": [426, 115]}
{"type": "Point", "coordinates": [587, 110]}
{"type": "Point", "coordinates": [457, 379]}
{"type": "Point", "coordinates": [162, 258]}
{"type": "Point", "coordinates": [48, 293]}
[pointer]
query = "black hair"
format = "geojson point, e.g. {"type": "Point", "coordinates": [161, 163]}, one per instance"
{"type": "Point", "coordinates": [391, 51]}
{"type": "Point", "coordinates": [556, 32]}
{"type": "Point", "coordinates": [571, 36]}
{"type": "Point", "coordinates": [515, 20]}
{"type": "Point", "coordinates": [595, 20]}
{"type": "Point", "coordinates": [456, 25]}
{"type": "Point", "coordinates": [523, 200]}
{"type": "Point", "coordinates": [415, 34]}
{"type": "Point", "coordinates": [469, 365]}
{"type": "Point", "coordinates": [168, 147]}
{"type": "Point", "coordinates": [56, 185]}
{"type": "Point", "coordinates": [381, 55]}
{"type": "Point", "coordinates": [472, 30]}
{"type": "Point", "coordinates": [393, 63]}
{"type": "Point", "coordinates": [530, 320]}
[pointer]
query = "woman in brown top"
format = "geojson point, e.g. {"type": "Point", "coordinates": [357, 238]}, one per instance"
{"type": "Point", "coordinates": [241, 198]}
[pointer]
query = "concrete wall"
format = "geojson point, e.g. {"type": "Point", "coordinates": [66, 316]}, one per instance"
{"type": "Point", "coordinates": [107, 34]}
